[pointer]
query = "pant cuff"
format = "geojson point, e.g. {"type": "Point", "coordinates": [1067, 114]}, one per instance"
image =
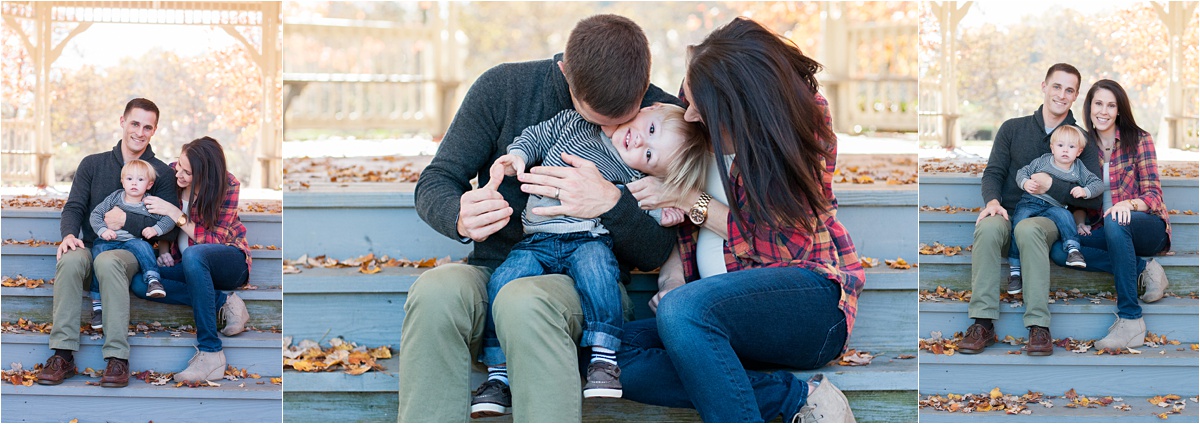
{"type": "Point", "coordinates": [600, 338]}
{"type": "Point", "coordinates": [492, 356]}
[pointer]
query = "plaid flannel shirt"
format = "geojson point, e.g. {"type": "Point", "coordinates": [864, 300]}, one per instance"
{"type": "Point", "coordinates": [827, 251]}
{"type": "Point", "coordinates": [1136, 177]}
{"type": "Point", "coordinates": [228, 229]}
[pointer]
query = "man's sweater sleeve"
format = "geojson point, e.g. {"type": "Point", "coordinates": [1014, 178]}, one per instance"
{"type": "Point", "coordinates": [638, 239]}
{"type": "Point", "coordinates": [76, 207]}
{"type": "Point", "coordinates": [468, 146]}
{"type": "Point", "coordinates": [992, 182]}
{"type": "Point", "coordinates": [97, 215]}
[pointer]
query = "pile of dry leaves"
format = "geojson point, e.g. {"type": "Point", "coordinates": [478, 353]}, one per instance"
{"type": "Point", "coordinates": [309, 356]}
{"type": "Point", "coordinates": [941, 249]}
{"type": "Point", "coordinates": [948, 209]}
{"type": "Point", "coordinates": [52, 202]}
{"type": "Point", "coordinates": [22, 281]}
{"type": "Point", "coordinates": [30, 242]}
{"type": "Point", "coordinates": [898, 263]}
{"type": "Point", "coordinates": [941, 293]}
{"type": "Point", "coordinates": [366, 264]}
{"type": "Point", "coordinates": [994, 401]}
{"type": "Point", "coordinates": [939, 345]}
{"type": "Point", "coordinates": [935, 165]}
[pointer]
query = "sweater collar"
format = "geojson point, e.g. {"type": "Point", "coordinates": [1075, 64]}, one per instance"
{"type": "Point", "coordinates": [1041, 122]}
{"type": "Point", "coordinates": [146, 154]}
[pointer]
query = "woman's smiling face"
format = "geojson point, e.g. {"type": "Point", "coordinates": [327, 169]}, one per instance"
{"type": "Point", "coordinates": [183, 172]}
{"type": "Point", "coordinates": [1104, 111]}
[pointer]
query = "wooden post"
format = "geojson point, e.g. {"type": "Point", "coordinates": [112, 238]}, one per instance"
{"type": "Point", "coordinates": [269, 168]}
{"type": "Point", "coordinates": [949, 14]}
{"type": "Point", "coordinates": [1175, 16]}
{"type": "Point", "coordinates": [837, 58]}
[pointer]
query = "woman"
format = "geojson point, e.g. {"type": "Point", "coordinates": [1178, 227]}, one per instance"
{"type": "Point", "coordinates": [211, 254]}
{"type": "Point", "coordinates": [1135, 221]}
{"type": "Point", "coordinates": [772, 276]}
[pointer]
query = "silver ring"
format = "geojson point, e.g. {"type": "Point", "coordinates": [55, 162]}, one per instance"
{"type": "Point", "coordinates": [557, 191]}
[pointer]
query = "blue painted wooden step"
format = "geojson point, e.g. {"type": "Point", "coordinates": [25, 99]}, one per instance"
{"type": "Point", "coordinates": [1147, 374]}
{"type": "Point", "coordinates": [1080, 319]}
{"type": "Point", "coordinates": [38, 263]}
{"type": "Point", "coordinates": [955, 272]}
{"type": "Point", "coordinates": [43, 224]}
{"type": "Point", "coordinates": [957, 229]}
{"type": "Point", "coordinates": [1140, 411]}
{"type": "Point", "coordinates": [962, 190]}
{"type": "Point", "coordinates": [257, 352]}
{"type": "Point", "coordinates": [234, 401]}
{"type": "Point", "coordinates": [265, 305]}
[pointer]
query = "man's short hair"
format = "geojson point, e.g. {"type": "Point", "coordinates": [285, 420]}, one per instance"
{"type": "Point", "coordinates": [143, 104]}
{"type": "Point", "coordinates": [138, 166]}
{"type": "Point", "coordinates": [1064, 67]}
{"type": "Point", "coordinates": [607, 64]}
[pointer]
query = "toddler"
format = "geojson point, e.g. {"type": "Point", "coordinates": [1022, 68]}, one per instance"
{"type": "Point", "coordinates": [1066, 143]}
{"type": "Point", "coordinates": [658, 142]}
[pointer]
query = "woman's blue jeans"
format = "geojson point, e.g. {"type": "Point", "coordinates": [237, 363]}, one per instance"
{"type": "Point", "coordinates": [1114, 248]}
{"type": "Point", "coordinates": [195, 281]}
{"type": "Point", "coordinates": [708, 332]}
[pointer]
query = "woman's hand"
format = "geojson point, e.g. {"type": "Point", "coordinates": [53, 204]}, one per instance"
{"type": "Point", "coordinates": [158, 206]}
{"type": "Point", "coordinates": [664, 287]}
{"type": "Point", "coordinates": [670, 277]}
{"type": "Point", "coordinates": [649, 194]}
{"type": "Point", "coordinates": [1119, 212]}
{"type": "Point", "coordinates": [165, 259]}
{"type": "Point", "coordinates": [582, 190]}
{"type": "Point", "coordinates": [1084, 229]}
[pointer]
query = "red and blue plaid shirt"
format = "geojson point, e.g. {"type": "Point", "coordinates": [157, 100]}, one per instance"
{"type": "Point", "coordinates": [1136, 177]}
{"type": "Point", "coordinates": [827, 250]}
{"type": "Point", "coordinates": [228, 229]}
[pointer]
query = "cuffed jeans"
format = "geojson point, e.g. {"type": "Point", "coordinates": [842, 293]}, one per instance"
{"type": "Point", "coordinates": [113, 270]}
{"type": "Point", "coordinates": [694, 354]}
{"type": "Point", "coordinates": [141, 250]}
{"type": "Point", "coordinates": [1030, 206]}
{"type": "Point", "coordinates": [1114, 248]}
{"type": "Point", "coordinates": [589, 261]}
{"type": "Point", "coordinates": [195, 281]}
{"type": "Point", "coordinates": [1033, 237]}
{"type": "Point", "coordinates": [538, 320]}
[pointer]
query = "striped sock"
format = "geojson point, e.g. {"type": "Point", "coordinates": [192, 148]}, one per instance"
{"type": "Point", "coordinates": [95, 305]}
{"type": "Point", "coordinates": [1014, 270]}
{"type": "Point", "coordinates": [605, 355]}
{"type": "Point", "coordinates": [498, 373]}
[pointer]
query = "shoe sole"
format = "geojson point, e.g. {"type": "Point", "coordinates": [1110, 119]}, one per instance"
{"type": "Point", "coordinates": [975, 351]}
{"type": "Point", "coordinates": [1077, 264]}
{"type": "Point", "coordinates": [1017, 291]}
{"type": "Point", "coordinates": [98, 327]}
{"type": "Point", "coordinates": [114, 385]}
{"type": "Point", "coordinates": [53, 382]}
{"type": "Point", "coordinates": [483, 410]}
{"type": "Point", "coordinates": [602, 393]}
{"type": "Point", "coordinates": [1039, 353]}
{"type": "Point", "coordinates": [232, 333]}
{"type": "Point", "coordinates": [156, 294]}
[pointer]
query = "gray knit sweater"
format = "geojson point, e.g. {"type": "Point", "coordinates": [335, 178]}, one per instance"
{"type": "Point", "coordinates": [1078, 175]}
{"type": "Point", "coordinates": [499, 105]}
{"type": "Point", "coordinates": [117, 199]}
{"type": "Point", "coordinates": [98, 176]}
{"type": "Point", "coordinates": [1018, 142]}
{"type": "Point", "coordinates": [569, 133]}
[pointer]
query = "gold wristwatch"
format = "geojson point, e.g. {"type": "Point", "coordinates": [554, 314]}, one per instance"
{"type": "Point", "coordinates": [183, 220]}
{"type": "Point", "coordinates": [699, 212]}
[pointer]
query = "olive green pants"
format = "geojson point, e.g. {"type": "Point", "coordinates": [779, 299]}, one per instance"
{"type": "Point", "coordinates": [113, 270]}
{"type": "Point", "coordinates": [1034, 237]}
{"type": "Point", "coordinates": [539, 322]}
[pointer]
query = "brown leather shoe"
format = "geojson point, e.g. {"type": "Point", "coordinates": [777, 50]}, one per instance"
{"type": "Point", "coordinates": [56, 370]}
{"type": "Point", "coordinates": [977, 338]}
{"type": "Point", "coordinates": [116, 374]}
{"type": "Point", "coordinates": [1040, 343]}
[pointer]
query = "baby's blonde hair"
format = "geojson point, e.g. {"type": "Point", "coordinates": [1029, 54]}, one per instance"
{"type": "Point", "coordinates": [1069, 133]}
{"type": "Point", "coordinates": [689, 165]}
{"type": "Point", "coordinates": [139, 167]}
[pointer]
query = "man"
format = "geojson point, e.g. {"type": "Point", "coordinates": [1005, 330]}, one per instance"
{"type": "Point", "coordinates": [1018, 142]}
{"type": "Point", "coordinates": [604, 74]}
{"type": "Point", "coordinates": [98, 176]}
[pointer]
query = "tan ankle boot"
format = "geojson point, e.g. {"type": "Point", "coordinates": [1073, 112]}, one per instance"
{"type": "Point", "coordinates": [1155, 280]}
{"type": "Point", "coordinates": [826, 404]}
{"type": "Point", "coordinates": [235, 314]}
{"type": "Point", "coordinates": [205, 366]}
{"type": "Point", "coordinates": [1122, 334]}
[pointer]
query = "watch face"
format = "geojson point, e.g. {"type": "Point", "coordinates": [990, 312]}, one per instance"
{"type": "Point", "coordinates": [696, 216]}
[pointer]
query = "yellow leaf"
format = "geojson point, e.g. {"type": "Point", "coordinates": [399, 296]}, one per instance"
{"type": "Point", "coordinates": [276, 380]}
{"type": "Point", "coordinates": [74, 420]}
{"type": "Point", "coordinates": [995, 394]}
{"type": "Point", "coordinates": [382, 352]}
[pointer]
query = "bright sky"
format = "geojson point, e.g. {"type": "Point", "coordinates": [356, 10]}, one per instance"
{"type": "Point", "coordinates": [1003, 13]}
{"type": "Point", "coordinates": [104, 45]}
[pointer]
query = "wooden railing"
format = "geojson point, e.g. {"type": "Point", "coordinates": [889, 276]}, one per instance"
{"type": "Point", "coordinates": [881, 89]}
{"type": "Point", "coordinates": [18, 151]}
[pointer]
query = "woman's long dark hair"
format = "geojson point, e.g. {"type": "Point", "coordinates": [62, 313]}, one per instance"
{"type": "Point", "coordinates": [756, 90]}
{"type": "Point", "coordinates": [1127, 128]}
{"type": "Point", "coordinates": [209, 180]}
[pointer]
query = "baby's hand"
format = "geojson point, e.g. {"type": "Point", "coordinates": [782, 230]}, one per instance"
{"type": "Point", "coordinates": [672, 217]}
{"type": "Point", "coordinates": [513, 164]}
{"type": "Point", "coordinates": [149, 233]}
{"type": "Point", "coordinates": [108, 234]}
{"type": "Point", "coordinates": [1079, 192]}
{"type": "Point", "coordinates": [1084, 229]}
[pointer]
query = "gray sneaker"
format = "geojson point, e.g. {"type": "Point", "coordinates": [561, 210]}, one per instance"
{"type": "Point", "coordinates": [97, 319]}
{"type": "Point", "coordinates": [1014, 283]}
{"type": "Point", "coordinates": [1075, 259]}
{"type": "Point", "coordinates": [603, 380]}
{"type": "Point", "coordinates": [154, 288]}
{"type": "Point", "coordinates": [491, 399]}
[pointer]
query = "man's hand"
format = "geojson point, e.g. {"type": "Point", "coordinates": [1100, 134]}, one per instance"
{"type": "Point", "coordinates": [1043, 182]}
{"type": "Point", "coordinates": [483, 211]}
{"type": "Point", "coordinates": [114, 219]}
{"type": "Point", "coordinates": [149, 233]}
{"type": "Point", "coordinates": [1030, 186]}
{"type": "Point", "coordinates": [582, 190]}
{"type": "Point", "coordinates": [672, 217]}
{"type": "Point", "coordinates": [1079, 192]}
{"type": "Point", "coordinates": [993, 208]}
{"type": "Point", "coordinates": [108, 234]}
{"type": "Point", "coordinates": [510, 164]}
{"type": "Point", "coordinates": [70, 242]}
